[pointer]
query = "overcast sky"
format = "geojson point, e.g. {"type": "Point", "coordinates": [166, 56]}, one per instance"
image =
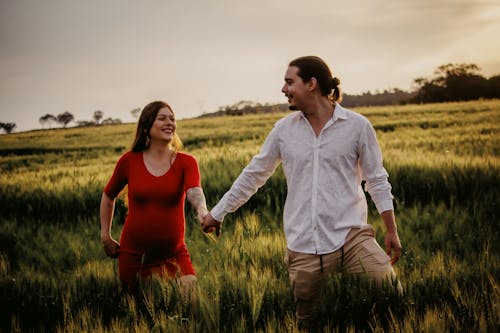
{"type": "Point", "coordinates": [117, 55]}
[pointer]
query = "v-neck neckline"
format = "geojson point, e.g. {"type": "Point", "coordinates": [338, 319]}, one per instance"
{"type": "Point", "coordinates": [160, 175]}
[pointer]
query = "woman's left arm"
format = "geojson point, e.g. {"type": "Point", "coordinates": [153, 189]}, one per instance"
{"type": "Point", "coordinates": [196, 198]}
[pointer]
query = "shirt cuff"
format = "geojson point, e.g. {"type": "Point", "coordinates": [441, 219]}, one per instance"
{"type": "Point", "coordinates": [218, 213]}
{"type": "Point", "coordinates": [384, 205]}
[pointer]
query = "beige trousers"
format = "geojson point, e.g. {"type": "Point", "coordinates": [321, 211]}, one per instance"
{"type": "Point", "coordinates": [360, 254]}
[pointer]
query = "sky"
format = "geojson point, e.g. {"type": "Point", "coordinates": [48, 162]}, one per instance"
{"type": "Point", "coordinates": [118, 55]}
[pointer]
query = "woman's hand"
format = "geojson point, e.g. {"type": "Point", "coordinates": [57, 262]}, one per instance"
{"type": "Point", "coordinates": [210, 225]}
{"type": "Point", "coordinates": [111, 247]}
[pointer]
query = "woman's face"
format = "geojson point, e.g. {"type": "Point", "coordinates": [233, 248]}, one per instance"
{"type": "Point", "coordinates": [164, 126]}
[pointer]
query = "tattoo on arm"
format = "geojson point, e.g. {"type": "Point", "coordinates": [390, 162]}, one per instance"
{"type": "Point", "coordinates": [196, 198]}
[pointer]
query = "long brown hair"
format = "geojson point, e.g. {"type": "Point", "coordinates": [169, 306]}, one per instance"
{"type": "Point", "coordinates": [312, 66]}
{"type": "Point", "coordinates": [146, 120]}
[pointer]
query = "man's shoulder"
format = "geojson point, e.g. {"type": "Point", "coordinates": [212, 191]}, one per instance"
{"type": "Point", "coordinates": [288, 119]}
{"type": "Point", "coordinates": [351, 115]}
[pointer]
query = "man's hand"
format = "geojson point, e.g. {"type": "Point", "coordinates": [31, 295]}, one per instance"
{"type": "Point", "coordinates": [210, 225]}
{"type": "Point", "coordinates": [393, 246]}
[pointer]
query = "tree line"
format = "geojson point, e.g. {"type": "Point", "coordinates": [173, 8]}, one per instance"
{"type": "Point", "coordinates": [456, 82]}
{"type": "Point", "coordinates": [65, 118]}
{"type": "Point", "coordinates": [450, 82]}
{"type": "Point", "coordinates": [245, 107]}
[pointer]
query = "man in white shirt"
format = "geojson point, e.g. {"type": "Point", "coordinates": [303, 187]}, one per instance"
{"type": "Point", "coordinates": [326, 152]}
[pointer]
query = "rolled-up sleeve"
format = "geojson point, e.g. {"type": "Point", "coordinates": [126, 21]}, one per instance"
{"type": "Point", "coordinates": [373, 171]}
{"type": "Point", "coordinates": [253, 176]}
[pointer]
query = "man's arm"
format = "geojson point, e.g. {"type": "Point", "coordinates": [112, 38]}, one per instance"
{"type": "Point", "coordinates": [378, 186]}
{"type": "Point", "coordinates": [392, 243]}
{"type": "Point", "coordinates": [253, 176]}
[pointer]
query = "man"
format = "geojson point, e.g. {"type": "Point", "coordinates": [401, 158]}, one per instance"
{"type": "Point", "coordinates": [326, 152]}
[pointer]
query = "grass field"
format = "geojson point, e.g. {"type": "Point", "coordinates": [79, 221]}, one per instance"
{"type": "Point", "coordinates": [444, 166]}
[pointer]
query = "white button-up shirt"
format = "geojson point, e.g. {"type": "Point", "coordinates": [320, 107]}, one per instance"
{"type": "Point", "coordinates": [325, 198]}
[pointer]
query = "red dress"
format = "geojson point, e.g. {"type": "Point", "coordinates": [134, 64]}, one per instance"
{"type": "Point", "coordinates": [152, 239]}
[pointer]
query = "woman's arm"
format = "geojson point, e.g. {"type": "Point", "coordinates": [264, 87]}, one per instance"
{"type": "Point", "coordinates": [111, 246]}
{"type": "Point", "coordinates": [196, 198]}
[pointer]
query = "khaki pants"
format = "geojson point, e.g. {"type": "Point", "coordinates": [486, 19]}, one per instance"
{"type": "Point", "coordinates": [360, 254]}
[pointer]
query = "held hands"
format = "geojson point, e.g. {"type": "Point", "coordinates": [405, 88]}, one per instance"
{"type": "Point", "coordinates": [392, 246]}
{"type": "Point", "coordinates": [209, 225]}
{"type": "Point", "coordinates": [201, 215]}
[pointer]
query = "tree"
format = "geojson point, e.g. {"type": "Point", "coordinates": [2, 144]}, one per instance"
{"type": "Point", "coordinates": [98, 116]}
{"type": "Point", "coordinates": [8, 127]}
{"type": "Point", "coordinates": [452, 82]}
{"type": "Point", "coordinates": [65, 118]}
{"type": "Point", "coordinates": [135, 112]}
{"type": "Point", "coordinates": [110, 120]}
{"type": "Point", "coordinates": [84, 123]}
{"type": "Point", "coordinates": [493, 89]}
{"type": "Point", "coordinates": [47, 119]}
{"type": "Point", "coordinates": [428, 91]}
{"type": "Point", "coordinates": [461, 81]}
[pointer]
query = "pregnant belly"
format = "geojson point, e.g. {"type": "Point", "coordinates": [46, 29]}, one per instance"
{"type": "Point", "coordinates": [162, 238]}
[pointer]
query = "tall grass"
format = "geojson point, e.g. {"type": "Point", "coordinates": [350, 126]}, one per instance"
{"type": "Point", "coordinates": [443, 163]}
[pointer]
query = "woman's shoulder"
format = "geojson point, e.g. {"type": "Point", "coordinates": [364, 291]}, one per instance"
{"type": "Point", "coordinates": [129, 157]}
{"type": "Point", "coordinates": [185, 157]}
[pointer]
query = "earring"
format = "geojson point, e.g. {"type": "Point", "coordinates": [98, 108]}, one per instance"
{"type": "Point", "coordinates": [147, 140]}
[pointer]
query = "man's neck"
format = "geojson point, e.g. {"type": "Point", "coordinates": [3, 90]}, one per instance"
{"type": "Point", "coordinates": [318, 114]}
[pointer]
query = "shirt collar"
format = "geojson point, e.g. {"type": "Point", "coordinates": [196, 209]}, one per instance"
{"type": "Point", "coordinates": [339, 112]}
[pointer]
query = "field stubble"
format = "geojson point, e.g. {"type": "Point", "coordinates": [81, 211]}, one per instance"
{"type": "Point", "coordinates": [443, 161]}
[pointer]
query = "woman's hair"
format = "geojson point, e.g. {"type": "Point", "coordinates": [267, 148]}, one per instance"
{"type": "Point", "coordinates": [312, 66]}
{"type": "Point", "coordinates": [146, 120]}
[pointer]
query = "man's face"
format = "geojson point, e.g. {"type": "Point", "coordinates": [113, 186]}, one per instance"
{"type": "Point", "coordinates": [294, 88]}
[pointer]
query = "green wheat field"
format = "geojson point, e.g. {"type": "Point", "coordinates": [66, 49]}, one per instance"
{"type": "Point", "coordinates": [444, 166]}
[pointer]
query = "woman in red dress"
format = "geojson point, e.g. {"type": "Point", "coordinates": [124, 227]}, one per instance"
{"type": "Point", "coordinates": [159, 178]}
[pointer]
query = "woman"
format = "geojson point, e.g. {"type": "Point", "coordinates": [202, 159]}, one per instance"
{"type": "Point", "coordinates": [159, 178]}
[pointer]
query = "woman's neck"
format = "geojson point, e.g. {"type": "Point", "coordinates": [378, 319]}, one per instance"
{"type": "Point", "coordinates": [159, 150]}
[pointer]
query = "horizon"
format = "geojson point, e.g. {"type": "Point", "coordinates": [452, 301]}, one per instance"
{"type": "Point", "coordinates": [116, 56]}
